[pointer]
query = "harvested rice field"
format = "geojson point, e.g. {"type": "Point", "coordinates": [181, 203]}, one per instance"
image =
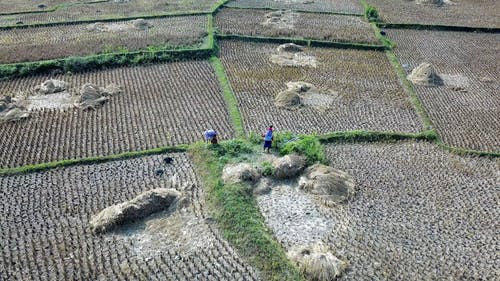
{"type": "Point", "coordinates": [465, 107]}
{"type": "Point", "coordinates": [161, 105]}
{"type": "Point", "coordinates": [419, 213]}
{"type": "Point", "coordinates": [45, 230]}
{"type": "Point", "coordinates": [338, 6]}
{"type": "Point", "coordinates": [286, 23]}
{"type": "Point", "coordinates": [59, 41]}
{"type": "Point", "coordinates": [110, 9]}
{"type": "Point", "coordinates": [470, 13]}
{"type": "Point", "coordinates": [23, 6]}
{"type": "Point", "coordinates": [353, 89]}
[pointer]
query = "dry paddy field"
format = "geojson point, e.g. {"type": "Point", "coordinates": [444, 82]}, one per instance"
{"type": "Point", "coordinates": [58, 41]}
{"type": "Point", "coordinates": [466, 108]}
{"type": "Point", "coordinates": [338, 6]}
{"type": "Point", "coordinates": [110, 9]}
{"type": "Point", "coordinates": [358, 90]}
{"type": "Point", "coordinates": [282, 23]}
{"type": "Point", "coordinates": [419, 214]}
{"type": "Point", "coordinates": [164, 104]}
{"type": "Point", "coordinates": [45, 233]}
{"type": "Point", "coordinates": [471, 13]}
{"type": "Point", "coordinates": [23, 6]}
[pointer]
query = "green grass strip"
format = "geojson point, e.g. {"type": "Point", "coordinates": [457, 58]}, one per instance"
{"type": "Point", "coordinates": [109, 19]}
{"type": "Point", "coordinates": [107, 60]}
{"type": "Point", "coordinates": [210, 32]}
{"type": "Point", "coordinates": [438, 27]}
{"type": "Point", "coordinates": [295, 10]}
{"type": "Point", "coordinates": [465, 151]}
{"type": "Point", "coordinates": [417, 103]}
{"type": "Point", "coordinates": [375, 136]}
{"type": "Point", "coordinates": [237, 214]}
{"type": "Point", "coordinates": [227, 92]}
{"type": "Point", "coordinates": [217, 6]}
{"type": "Point", "coordinates": [90, 160]}
{"type": "Point", "coordinates": [300, 41]}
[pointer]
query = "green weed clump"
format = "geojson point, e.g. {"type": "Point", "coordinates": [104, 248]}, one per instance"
{"type": "Point", "coordinates": [371, 14]}
{"type": "Point", "coordinates": [307, 145]}
{"type": "Point", "coordinates": [267, 168]}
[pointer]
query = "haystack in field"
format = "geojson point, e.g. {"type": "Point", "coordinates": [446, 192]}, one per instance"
{"type": "Point", "coordinates": [292, 55]}
{"type": "Point", "coordinates": [144, 204]}
{"type": "Point", "coordinates": [317, 262]}
{"type": "Point", "coordinates": [93, 96]}
{"type": "Point", "coordinates": [332, 186]}
{"type": "Point", "coordinates": [289, 166]}
{"type": "Point", "coordinates": [51, 86]}
{"type": "Point", "coordinates": [10, 111]}
{"type": "Point", "coordinates": [241, 172]}
{"type": "Point", "coordinates": [425, 75]}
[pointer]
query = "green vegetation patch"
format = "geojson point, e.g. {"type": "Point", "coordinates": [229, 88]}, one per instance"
{"type": "Point", "coordinates": [229, 97]}
{"type": "Point", "coordinates": [236, 211]}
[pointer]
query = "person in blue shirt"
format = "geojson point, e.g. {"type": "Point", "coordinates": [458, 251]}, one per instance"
{"type": "Point", "coordinates": [268, 139]}
{"type": "Point", "coordinates": [210, 136]}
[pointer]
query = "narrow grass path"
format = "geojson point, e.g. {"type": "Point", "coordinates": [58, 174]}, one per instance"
{"type": "Point", "coordinates": [236, 211]}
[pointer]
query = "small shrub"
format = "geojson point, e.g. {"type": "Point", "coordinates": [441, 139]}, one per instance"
{"type": "Point", "coordinates": [267, 168]}
{"type": "Point", "coordinates": [232, 148]}
{"type": "Point", "coordinates": [371, 13]}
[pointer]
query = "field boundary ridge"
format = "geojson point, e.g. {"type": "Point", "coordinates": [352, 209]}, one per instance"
{"type": "Point", "coordinates": [229, 97]}
{"type": "Point", "coordinates": [90, 160]}
{"type": "Point", "coordinates": [300, 41]}
{"type": "Point", "coordinates": [294, 10]}
{"type": "Point", "coordinates": [108, 19]}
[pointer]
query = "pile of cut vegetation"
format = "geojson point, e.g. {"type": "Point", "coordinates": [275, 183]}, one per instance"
{"type": "Point", "coordinates": [293, 55]}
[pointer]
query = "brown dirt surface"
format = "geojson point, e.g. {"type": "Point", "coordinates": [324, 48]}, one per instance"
{"type": "Point", "coordinates": [111, 9]}
{"type": "Point", "coordinates": [45, 220]}
{"type": "Point", "coordinates": [161, 105]}
{"type": "Point", "coordinates": [472, 13]}
{"type": "Point", "coordinates": [466, 107]}
{"type": "Point", "coordinates": [365, 91]}
{"type": "Point", "coordinates": [419, 213]}
{"type": "Point", "coordinates": [49, 42]}
{"type": "Point", "coordinates": [340, 6]}
{"type": "Point", "coordinates": [309, 26]}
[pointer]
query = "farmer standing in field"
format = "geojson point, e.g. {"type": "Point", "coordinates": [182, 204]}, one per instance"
{"type": "Point", "coordinates": [268, 139]}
